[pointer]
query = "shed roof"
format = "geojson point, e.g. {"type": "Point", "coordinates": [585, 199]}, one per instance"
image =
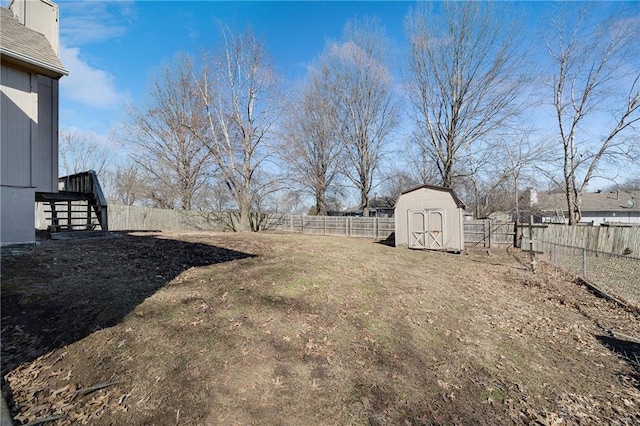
{"type": "Point", "coordinates": [457, 200]}
{"type": "Point", "coordinates": [593, 201]}
{"type": "Point", "coordinates": [28, 47]}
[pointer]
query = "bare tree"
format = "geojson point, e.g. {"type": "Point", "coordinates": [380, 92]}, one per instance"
{"type": "Point", "coordinates": [161, 139]}
{"type": "Point", "coordinates": [596, 75]}
{"type": "Point", "coordinates": [360, 89]}
{"type": "Point", "coordinates": [420, 166]}
{"type": "Point", "coordinates": [397, 181]}
{"type": "Point", "coordinates": [495, 180]}
{"type": "Point", "coordinates": [239, 93]}
{"type": "Point", "coordinates": [311, 149]}
{"type": "Point", "coordinates": [80, 152]}
{"type": "Point", "coordinates": [631, 184]}
{"type": "Point", "coordinates": [464, 80]}
{"type": "Point", "coordinates": [125, 186]}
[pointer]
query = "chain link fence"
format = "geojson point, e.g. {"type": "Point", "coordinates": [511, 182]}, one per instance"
{"type": "Point", "coordinates": [616, 275]}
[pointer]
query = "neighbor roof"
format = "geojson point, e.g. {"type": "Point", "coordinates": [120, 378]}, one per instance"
{"type": "Point", "coordinates": [25, 46]}
{"type": "Point", "coordinates": [457, 200]}
{"type": "Point", "coordinates": [382, 203]}
{"type": "Point", "coordinates": [593, 201]}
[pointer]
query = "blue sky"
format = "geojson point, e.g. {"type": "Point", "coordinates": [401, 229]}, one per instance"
{"type": "Point", "coordinates": [111, 49]}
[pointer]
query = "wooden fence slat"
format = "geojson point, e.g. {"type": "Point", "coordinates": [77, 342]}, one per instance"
{"type": "Point", "coordinates": [609, 239]}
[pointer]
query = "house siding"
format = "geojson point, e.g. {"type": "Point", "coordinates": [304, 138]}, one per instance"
{"type": "Point", "coordinates": [45, 145]}
{"type": "Point", "coordinates": [29, 75]}
{"type": "Point", "coordinates": [17, 218]}
{"type": "Point", "coordinates": [601, 217]}
{"type": "Point", "coordinates": [19, 119]}
{"type": "Point", "coordinates": [597, 218]}
{"type": "Point", "coordinates": [41, 16]}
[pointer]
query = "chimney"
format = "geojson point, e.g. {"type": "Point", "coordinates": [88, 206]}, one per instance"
{"type": "Point", "coordinates": [617, 194]}
{"type": "Point", "coordinates": [533, 197]}
{"type": "Point", "coordinates": [40, 16]}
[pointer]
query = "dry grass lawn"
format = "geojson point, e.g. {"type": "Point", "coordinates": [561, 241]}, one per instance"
{"type": "Point", "coordinates": [207, 328]}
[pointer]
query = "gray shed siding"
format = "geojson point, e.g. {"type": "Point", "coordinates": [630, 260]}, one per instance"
{"type": "Point", "coordinates": [430, 199]}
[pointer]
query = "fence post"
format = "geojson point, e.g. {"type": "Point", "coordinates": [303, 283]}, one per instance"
{"type": "Point", "coordinates": [485, 234]}
{"type": "Point", "coordinates": [324, 220]}
{"type": "Point", "coordinates": [584, 262]}
{"type": "Point", "coordinates": [291, 223]}
{"type": "Point", "coordinates": [348, 226]}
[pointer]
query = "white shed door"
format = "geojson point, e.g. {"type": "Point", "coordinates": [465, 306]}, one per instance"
{"type": "Point", "coordinates": [426, 229]}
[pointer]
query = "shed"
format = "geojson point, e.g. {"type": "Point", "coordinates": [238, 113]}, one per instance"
{"type": "Point", "coordinates": [429, 217]}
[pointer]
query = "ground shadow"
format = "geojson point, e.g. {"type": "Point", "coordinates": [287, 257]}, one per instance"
{"type": "Point", "coordinates": [65, 290]}
{"type": "Point", "coordinates": [627, 350]}
{"type": "Point", "coordinates": [389, 241]}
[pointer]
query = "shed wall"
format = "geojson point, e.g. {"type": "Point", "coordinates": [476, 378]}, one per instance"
{"type": "Point", "coordinates": [424, 198]}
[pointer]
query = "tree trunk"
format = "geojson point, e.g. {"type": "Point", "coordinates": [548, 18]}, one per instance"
{"type": "Point", "coordinates": [518, 231]}
{"type": "Point", "coordinates": [364, 202]}
{"type": "Point", "coordinates": [244, 207]}
{"type": "Point", "coordinates": [244, 224]}
{"type": "Point", "coordinates": [575, 208]}
{"type": "Point", "coordinates": [321, 204]}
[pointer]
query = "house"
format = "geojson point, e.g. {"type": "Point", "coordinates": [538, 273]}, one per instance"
{"type": "Point", "coordinates": [378, 207]}
{"type": "Point", "coordinates": [598, 208]}
{"type": "Point", "coordinates": [29, 81]}
{"type": "Point", "coordinates": [382, 207]}
{"type": "Point", "coordinates": [429, 217]}
{"type": "Point", "coordinates": [501, 216]}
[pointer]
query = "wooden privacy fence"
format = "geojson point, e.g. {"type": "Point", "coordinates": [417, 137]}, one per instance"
{"type": "Point", "coordinates": [126, 218]}
{"type": "Point", "coordinates": [487, 233]}
{"type": "Point", "coordinates": [610, 239]}
{"type": "Point", "coordinates": [378, 228]}
{"type": "Point", "coordinates": [129, 218]}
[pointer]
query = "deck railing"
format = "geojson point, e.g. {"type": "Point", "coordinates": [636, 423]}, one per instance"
{"type": "Point", "coordinates": [88, 183]}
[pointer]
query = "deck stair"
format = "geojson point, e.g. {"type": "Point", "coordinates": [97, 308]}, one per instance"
{"type": "Point", "coordinates": [79, 204]}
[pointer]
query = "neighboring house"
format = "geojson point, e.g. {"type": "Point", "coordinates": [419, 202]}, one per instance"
{"type": "Point", "coordinates": [378, 207]}
{"type": "Point", "coordinates": [382, 207]}
{"type": "Point", "coordinates": [501, 216]}
{"type": "Point", "coordinates": [29, 113]}
{"type": "Point", "coordinates": [617, 207]}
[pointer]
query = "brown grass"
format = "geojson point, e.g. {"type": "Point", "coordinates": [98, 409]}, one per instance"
{"type": "Point", "coordinates": [311, 330]}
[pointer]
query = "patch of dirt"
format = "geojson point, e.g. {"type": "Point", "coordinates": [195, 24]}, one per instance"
{"type": "Point", "coordinates": [210, 328]}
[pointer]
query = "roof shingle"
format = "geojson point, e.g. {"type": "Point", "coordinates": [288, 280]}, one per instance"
{"type": "Point", "coordinates": [26, 45]}
{"type": "Point", "coordinates": [593, 201]}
